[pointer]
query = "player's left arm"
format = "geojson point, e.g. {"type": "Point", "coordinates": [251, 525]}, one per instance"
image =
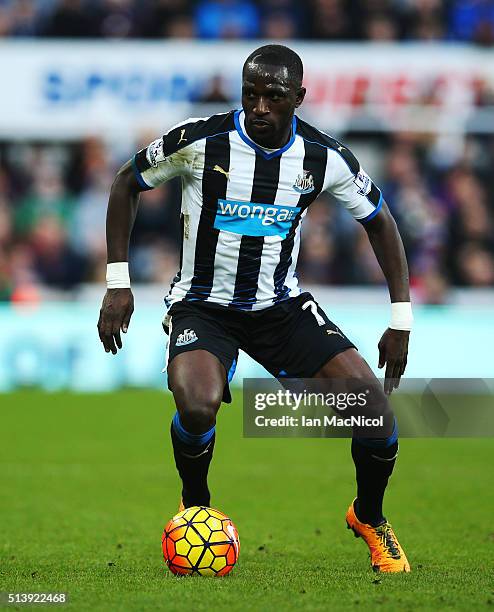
{"type": "Point", "coordinates": [353, 188]}
{"type": "Point", "coordinates": [388, 247]}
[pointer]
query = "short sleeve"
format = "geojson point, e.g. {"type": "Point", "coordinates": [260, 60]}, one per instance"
{"type": "Point", "coordinates": [163, 159]}
{"type": "Point", "coordinates": [351, 186]}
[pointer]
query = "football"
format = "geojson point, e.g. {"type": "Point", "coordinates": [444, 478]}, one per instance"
{"type": "Point", "coordinates": [200, 541]}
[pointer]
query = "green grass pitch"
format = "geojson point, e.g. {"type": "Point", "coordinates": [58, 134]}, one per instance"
{"type": "Point", "coordinates": [87, 484]}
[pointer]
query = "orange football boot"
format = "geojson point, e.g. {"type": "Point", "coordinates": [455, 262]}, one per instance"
{"type": "Point", "coordinates": [181, 506]}
{"type": "Point", "coordinates": [386, 553]}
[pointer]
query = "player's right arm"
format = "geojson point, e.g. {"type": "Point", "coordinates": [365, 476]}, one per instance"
{"type": "Point", "coordinates": [118, 303]}
{"type": "Point", "coordinates": [150, 167]}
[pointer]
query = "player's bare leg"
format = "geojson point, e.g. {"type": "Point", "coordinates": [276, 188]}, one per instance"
{"type": "Point", "coordinates": [374, 462]}
{"type": "Point", "coordinates": [197, 379]}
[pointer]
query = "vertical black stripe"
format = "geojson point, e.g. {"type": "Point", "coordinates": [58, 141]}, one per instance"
{"type": "Point", "coordinates": [315, 160]}
{"type": "Point", "coordinates": [374, 195]}
{"type": "Point", "coordinates": [264, 188]}
{"type": "Point", "coordinates": [214, 186]}
{"type": "Point", "coordinates": [178, 275]}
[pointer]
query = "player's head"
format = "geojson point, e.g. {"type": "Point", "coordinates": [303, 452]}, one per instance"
{"type": "Point", "coordinates": [271, 91]}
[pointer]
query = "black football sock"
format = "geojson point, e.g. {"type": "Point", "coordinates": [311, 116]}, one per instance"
{"type": "Point", "coordinates": [373, 467]}
{"type": "Point", "coordinates": [193, 454]}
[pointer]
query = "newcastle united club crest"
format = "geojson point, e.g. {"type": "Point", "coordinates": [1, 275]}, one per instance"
{"type": "Point", "coordinates": [304, 182]}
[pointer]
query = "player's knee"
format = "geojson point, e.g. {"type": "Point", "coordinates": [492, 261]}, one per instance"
{"type": "Point", "coordinates": [197, 406]}
{"type": "Point", "coordinates": [198, 417]}
{"type": "Point", "coordinates": [377, 418]}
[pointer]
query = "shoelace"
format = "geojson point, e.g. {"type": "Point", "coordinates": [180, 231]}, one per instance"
{"type": "Point", "coordinates": [388, 538]}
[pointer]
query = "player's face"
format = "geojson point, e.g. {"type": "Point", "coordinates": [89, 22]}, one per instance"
{"type": "Point", "coordinates": [269, 99]}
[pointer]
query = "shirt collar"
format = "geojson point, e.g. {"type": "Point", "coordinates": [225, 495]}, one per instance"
{"type": "Point", "coordinates": [239, 118]}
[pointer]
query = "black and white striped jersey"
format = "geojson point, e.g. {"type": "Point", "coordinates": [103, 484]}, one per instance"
{"type": "Point", "coordinates": [242, 205]}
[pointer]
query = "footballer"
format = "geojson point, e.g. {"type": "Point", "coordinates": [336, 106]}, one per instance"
{"type": "Point", "coordinates": [249, 177]}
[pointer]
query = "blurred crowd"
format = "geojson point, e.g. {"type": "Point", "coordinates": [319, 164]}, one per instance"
{"type": "Point", "coordinates": [341, 20]}
{"type": "Point", "coordinates": [53, 196]}
{"type": "Point", "coordinates": [53, 201]}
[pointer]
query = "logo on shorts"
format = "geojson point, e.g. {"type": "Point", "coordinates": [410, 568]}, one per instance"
{"type": "Point", "coordinates": [332, 331]}
{"type": "Point", "coordinates": [304, 182]}
{"type": "Point", "coordinates": [188, 336]}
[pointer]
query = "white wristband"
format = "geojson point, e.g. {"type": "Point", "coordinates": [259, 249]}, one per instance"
{"type": "Point", "coordinates": [401, 316]}
{"type": "Point", "coordinates": [117, 275]}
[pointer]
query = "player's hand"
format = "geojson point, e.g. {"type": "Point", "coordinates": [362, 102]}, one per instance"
{"type": "Point", "coordinates": [115, 313]}
{"type": "Point", "coordinates": [393, 352]}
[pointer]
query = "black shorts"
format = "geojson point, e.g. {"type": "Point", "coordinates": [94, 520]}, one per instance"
{"type": "Point", "coordinates": [292, 339]}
